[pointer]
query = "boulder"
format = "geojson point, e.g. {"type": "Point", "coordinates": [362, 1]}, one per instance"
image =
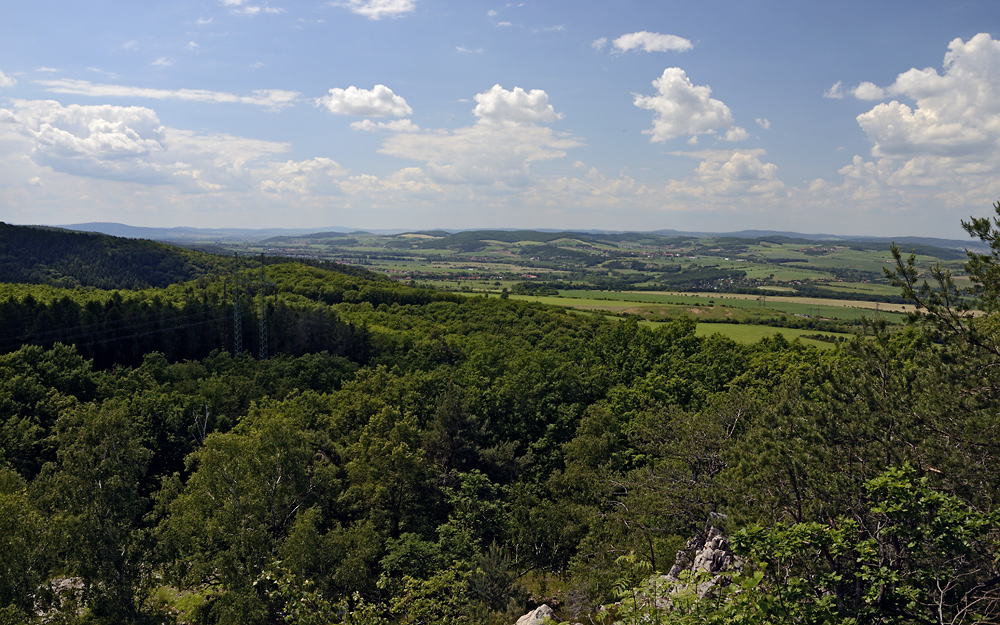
{"type": "Point", "coordinates": [538, 616]}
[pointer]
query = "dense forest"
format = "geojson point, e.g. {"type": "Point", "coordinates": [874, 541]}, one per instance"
{"type": "Point", "coordinates": [301, 443]}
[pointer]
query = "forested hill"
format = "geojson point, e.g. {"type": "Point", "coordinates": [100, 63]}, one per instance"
{"type": "Point", "coordinates": [68, 259]}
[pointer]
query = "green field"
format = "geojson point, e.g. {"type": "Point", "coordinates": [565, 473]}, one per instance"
{"type": "Point", "coordinates": [734, 307]}
{"type": "Point", "coordinates": [745, 333]}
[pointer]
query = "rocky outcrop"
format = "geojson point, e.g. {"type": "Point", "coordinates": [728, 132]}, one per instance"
{"type": "Point", "coordinates": [705, 558]}
{"type": "Point", "coordinates": [707, 552]}
{"type": "Point", "coordinates": [541, 615]}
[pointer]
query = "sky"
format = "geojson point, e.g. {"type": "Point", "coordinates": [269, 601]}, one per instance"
{"type": "Point", "coordinates": [851, 117]}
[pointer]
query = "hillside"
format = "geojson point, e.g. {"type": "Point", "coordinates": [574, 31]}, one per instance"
{"type": "Point", "coordinates": [69, 259]}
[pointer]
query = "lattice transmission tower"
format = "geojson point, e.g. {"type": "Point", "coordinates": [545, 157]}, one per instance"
{"type": "Point", "coordinates": [264, 286]}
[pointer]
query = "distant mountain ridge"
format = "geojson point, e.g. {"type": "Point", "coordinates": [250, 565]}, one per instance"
{"type": "Point", "coordinates": [190, 234]}
{"type": "Point", "coordinates": [185, 233]}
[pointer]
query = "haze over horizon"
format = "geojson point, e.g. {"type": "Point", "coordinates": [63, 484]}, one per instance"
{"type": "Point", "coordinates": [849, 118]}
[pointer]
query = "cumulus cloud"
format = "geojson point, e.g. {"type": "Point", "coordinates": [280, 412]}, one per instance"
{"type": "Point", "coordinates": [868, 91]}
{"type": "Point", "coordinates": [956, 114]}
{"type": "Point", "coordinates": [764, 123]}
{"type": "Point", "coordinates": [396, 125]}
{"type": "Point", "coordinates": [273, 99]}
{"type": "Point", "coordinates": [738, 173]}
{"type": "Point", "coordinates": [377, 9]}
{"type": "Point", "coordinates": [599, 43]}
{"type": "Point", "coordinates": [6, 81]}
{"type": "Point", "coordinates": [497, 150]}
{"type": "Point", "coordinates": [517, 106]}
{"type": "Point", "coordinates": [104, 141]}
{"type": "Point", "coordinates": [377, 102]}
{"type": "Point", "coordinates": [937, 144]}
{"type": "Point", "coordinates": [129, 144]}
{"type": "Point", "coordinates": [651, 42]}
{"type": "Point", "coordinates": [682, 108]}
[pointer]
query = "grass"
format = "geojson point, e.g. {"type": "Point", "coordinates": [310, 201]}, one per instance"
{"type": "Point", "coordinates": [745, 333]}
{"type": "Point", "coordinates": [737, 306]}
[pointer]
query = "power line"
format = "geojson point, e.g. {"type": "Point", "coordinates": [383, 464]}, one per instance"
{"type": "Point", "coordinates": [144, 329]}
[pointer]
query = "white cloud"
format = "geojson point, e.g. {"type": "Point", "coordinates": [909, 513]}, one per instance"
{"type": "Point", "coordinates": [957, 114]}
{"type": "Point", "coordinates": [651, 42]}
{"type": "Point", "coordinates": [736, 133]}
{"type": "Point", "coordinates": [191, 46]}
{"type": "Point", "coordinates": [737, 173]}
{"type": "Point", "coordinates": [681, 108]}
{"type": "Point", "coordinates": [935, 148]}
{"type": "Point", "coordinates": [491, 13]}
{"type": "Point", "coordinates": [497, 151]}
{"type": "Point", "coordinates": [162, 62]}
{"type": "Point", "coordinates": [273, 99]}
{"type": "Point", "coordinates": [317, 176]}
{"type": "Point", "coordinates": [6, 81]}
{"type": "Point", "coordinates": [396, 125]}
{"type": "Point", "coordinates": [377, 9]}
{"type": "Point", "coordinates": [835, 92]}
{"type": "Point", "coordinates": [47, 69]}
{"type": "Point", "coordinates": [130, 45]}
{"type": "Point", "coordinates": [482, 154]}
{"type": "Point", "coordinates": [103, 141]}
{"type": "Point", "coordinates": [130, 145]}
{"type": "Point", "coordinates": [514, 107]}
{"type": "Point", "coordinates": [598, 44]}
{"type": "Point", "coordinates": [465, 50]}
{"type": "Point", "coordinates": [764, 123]}
{"type": "Point", "coordinates": [868, 91]}
{"type": "Point", "coordinates": [377, 102]}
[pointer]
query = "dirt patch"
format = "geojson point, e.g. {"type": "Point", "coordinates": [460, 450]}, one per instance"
{"type": "Point", "coordinates": [696, 311]}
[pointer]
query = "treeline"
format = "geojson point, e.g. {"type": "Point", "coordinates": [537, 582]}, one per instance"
{"type": "Point", "coordinates": [121, 331]}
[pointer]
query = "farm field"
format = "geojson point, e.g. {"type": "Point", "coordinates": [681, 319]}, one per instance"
{"type": "Point", "coordinates": [731, 307]}
{"type": "Point", "coordinates": [777, 280]}
{"type": "Point", "coordinates": [742, 333]}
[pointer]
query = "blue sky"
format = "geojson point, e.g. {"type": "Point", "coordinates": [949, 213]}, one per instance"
{"type": "Point", "coordinates": [845, 118]}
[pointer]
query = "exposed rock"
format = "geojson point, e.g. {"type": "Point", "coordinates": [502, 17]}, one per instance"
{"type": "Point", "coordinates": [707, 555]}
{"type": "Point", "coordinates": [538, 616]}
